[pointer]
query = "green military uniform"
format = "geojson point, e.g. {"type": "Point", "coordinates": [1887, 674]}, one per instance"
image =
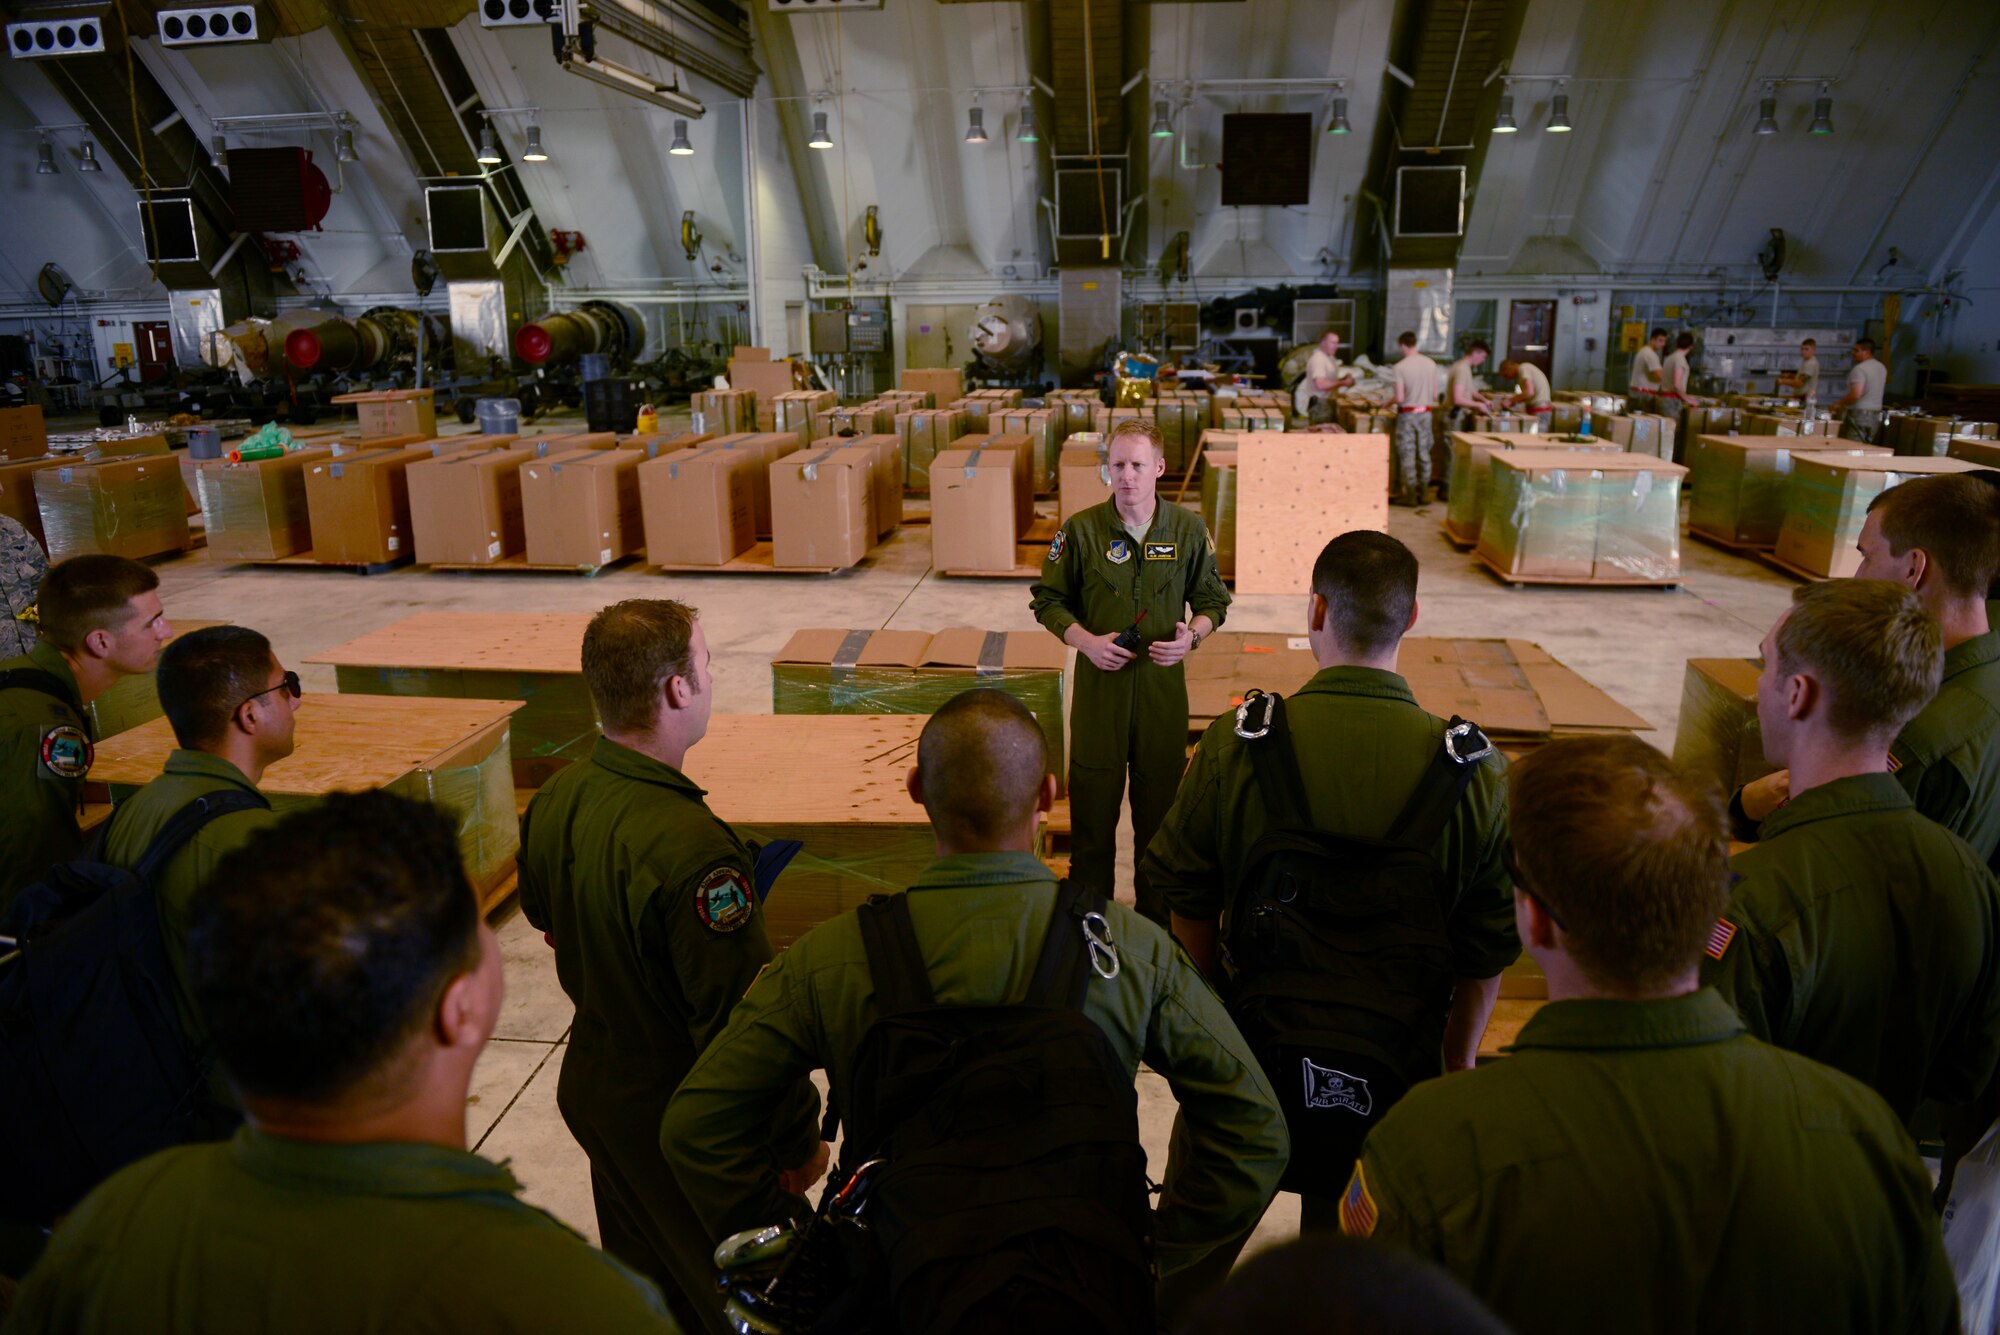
{"type": "Point", "coordinates": [1866, 936]}
{"type": "Point", "coordinates": [1948, 756]}
{"type": "Point", "coordinates": [141, 817]}
{"type": "Point", "coordinates": [980, 920]}
{"type": "Point", "coordinates": [1648, 1167]}
{"type": "Point", "coordinates": [1098, 574]}
{"type": "Point", "coordinates": [649, 901]}
{"type": "Point", "coordinates": [45, 750]}
{"type": "Point", "coordinates": [261, 1234]}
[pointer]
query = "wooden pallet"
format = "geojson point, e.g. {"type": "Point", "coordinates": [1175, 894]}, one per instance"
{"type": "Point", "coordinates": [1457, 539]}
{"type": "Point", "coordinates": [307, 559]}
{"type": "Point", "coordinates": [759, 560]}
{"type": "Point", "coordinates": [1716, 540]}
{"type": "Point", "coordinates": [1564, 581]}
{"type": "Point", "coordinates": [515, 565]}
{"type": "Point", "coordinates": [1770, 559]}
{"type": "Point", "coordinates": [1028, 554]}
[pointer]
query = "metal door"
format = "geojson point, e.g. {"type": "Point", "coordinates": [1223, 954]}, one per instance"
{"type": "Point", "coordinates": [155, 342]}
{"type": "Point", "coordinates": [937, 337]}
{"type": "Point", "coordinates": [1531, 334]}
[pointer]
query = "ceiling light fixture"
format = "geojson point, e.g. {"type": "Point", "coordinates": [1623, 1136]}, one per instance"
{"type": "Point", "coordinates": [975, 130]}
{"type": "Point", "coordinates": [1822, 121]}
{"type": "Point", "coordinates": [681, 148]}
{"type": "Point", "coordinates": [533, 151]}
{"type": "Point", "coordinates": [1504, 122]}
{"type": "Point", "coordinates": [343, 146]}
{"type": "Point", "coordinates": [489, 147]}
{"type": "Point", "coordinates": [90, 162]}
{"type": "Point", "coordinates": [821, 136]}
{"type": "Point", "coordinates": [218, 151]}
{"type": "Point", "coordinates": [1163, 126]}
{"type": "Point", "coordinates": [1559, 112]}
{"type": "Point", "coordinates": [1767, 110]}
{"type": "Point", "coordinates": [1029, 133]}
{"type": "Point", "coordinates": [45, 159]}
{"type": "Point", "coordinates": [1339, 125]}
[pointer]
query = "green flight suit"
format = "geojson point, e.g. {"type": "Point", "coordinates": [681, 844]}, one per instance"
{"type": "Point", "coordinates": [264, 1236]}
{"type": "Point", "coordinates": [1098, 575]}
{"type": "Point", "coordinates": [45, 750]}
{"type": "Point", "coordinates": [1647, 1167]}
{"type": "Point", "coordinates": [1866, 936]}
{"type": "Point", "coordinates": [141, 817]}
{"type": "Point", "coordinates": [648, 898]}
{"type": "Point", "coordinates": [980, 921]}
{"type": "Point", "coordinates": [1948, 756]}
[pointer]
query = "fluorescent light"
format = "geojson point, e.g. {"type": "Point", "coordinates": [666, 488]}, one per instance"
{"type": "Point", "coordinates": [613, 75]}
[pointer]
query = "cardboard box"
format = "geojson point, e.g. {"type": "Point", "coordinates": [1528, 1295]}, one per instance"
{"type": "Point", "coordinates": [699, 506]}
{"type": "Point", "coordinates": [1218, 507]}
{"type": "Point", "coordinates": [1024, 472]}
{"type": "Point", "coordinates": [822, 507]}
{"type": "Point", "coordinates": [887, 473]}
{"type": "Point", "coordinates": [581, 508]}
{"type": "Point", "coordinates": [545, 447]}
{"type": "Point", "coordinates": [1640, 433]}
{"type": "Point", "coordinates": [1182, 415]}
{"type": "Point", "coordinates": [134, 507]}
{"type": "Point", "coordinates": [863, 419]}
{"type": "Point", "coordinates": [1973, 449]}
{"type": "Point", "coordinates": [1785, 424]}
{"type": "Point", "coordinates": [126, 447]}
{"type": "Point", "coordinates": [394, 412]}
{"type": "Point", "coordinates": [1718, 734]}
{"type": "Point", "coordinates": [1471, 471]}
{"type": "Point", "coordinates": [766, 447]}
{"type": "Point", "coordinates": [795, 410]}
{"type": "Point", "coordinates": [767, 380]}
{"type": "Point", "coordinates": [1828, 498]}
{"type": "Point", "coordinates": [943, 386]}
{"type": "Point", "coordinates": [465, 508]}
{"type": "Point", "coordinates": [727, 411]}
{"type": "Point", "coordinates": [1739, 484]}
{"type": "Point", "coordinates": [973, 509]}
{"type": "Point", "coordinates": [1047, 427]}
{"type": "Point", "coordinates": [1078, 406]}
{"type": "Point", "coordinates": [1082, 476]}
{"type": "Point", "coordinates": [1924, 436]}
{"type": "Point", "coordinates": [917, 672]}
{"type": "Point", "coordinates": [257, 510]}
{"type": "Point", "coordinates": [1558, 515]}
{"type": "Point", "coordinates": [924, 435]}
{"type": "Point", "coordinates": [654, 446]}
{"type": "Point", "coordinates": [23, 434]}
{"type": "Point", "coordinates": [908, 400]}
{"type": "Point", "coordinates": [359, 505]}
{"type": "Point", "coordinates": [17, 493]}
{"type": "Point", "coordinates": [751, 355]}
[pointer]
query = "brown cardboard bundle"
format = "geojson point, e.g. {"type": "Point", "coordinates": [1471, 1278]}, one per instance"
{"type": "Point", "coordinates": [727, 411]}
{"type": "Point", "coordinates": [862, 419]}
{"type": "Point", "coordinates": [582, 508]}
{"type": "Point", "coordinates": [1597, 401]}
{"type": "Point", "coordinates": [1785, 424]}
{"type": "Point", "coordinates": [1238, 414]}
{"type": "Point", "coordinates": [1707, 419]}
{"type": "Point", "coordinates": [822, 507]}
{"type": "Point", "coordinates": [1024, 485]}
{"type": "Point", "coordinates": [394, 412]}
{"type": "Point", "coordinates": [1718, 734]}
{"type": "Point", "coordinates": [543, 447]}
{"type": "Point", "coordinates": [795, 410]}
{"type": "Point", "coordinates": [1104, 420]}
{"type": "Point", "coordinates": [1828, 499]}
{"type": "Point", "coordinates": [908, 400]}
{"type": "Point", "coordinates": [1182, 414]}
{"type": "Point", "coordinates": [1508, 424]}
{"type": "Point", "coordinates": [1048, 428]}
{"type": "Point", "coordinates": [699, 506]}
{"type": "Point", "coordinates": [944, 387]}
{"type": "Point", "coordinates": [465, 508]}
{"type": "Point", "coordinates": [1973, 449]}
{"type": "Point", "coordinates": [23, 435]}
{"type": "Point", "coordinates": [1739, 484]}
{"type": "Point", "coordinates": [654, 446]}
{"type": "Point", "coordinates": [924, 434]}
{"type": "Point", "coordinates": [766, 447]}
{"type": "Point", "coordinates": [1564, 419]}
{"type": "Point", "coordinates": [134, 506]}
{"type": "Point", "coordinates": [17, 492]}
{"type": "Point", "coordinates": [1640, 433]}
{"type": "Point", "coordinates": [1083, 478]}
{"type": "Point", "coordinates": [1919, 436]}
{"type": "Point", "coordinates": [1471, 471]}
{"type": "Point", "coordinates": [257, 509]}
{"type": "Point", "coordinates": [887, 473]}
{"type": "Point", "coordinates": [1079, 408]}
{"type": "Point", "coordinates": [1560, 515]}
{"type": "Point", "coordinates": [359, 505]}
{"type": "Point", "coordinates": [973, 509]}
{"type": "Point", "coordinates": [1368, 417]}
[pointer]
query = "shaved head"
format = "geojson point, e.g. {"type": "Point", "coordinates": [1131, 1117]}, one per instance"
{"type": "Point", "coordinates": [980, 762]}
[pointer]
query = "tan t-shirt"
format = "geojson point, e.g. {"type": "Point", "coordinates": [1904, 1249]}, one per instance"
{"type": "Point", "coordinates": [1870, 377]}
{"type": "Point", "coordinates": [1674, 373]}
{"type": "Point", "coordinates": [1461, 383]}
{"type": "Point", "coordinates": [1416, 381]}
{"type": "Point", "coordinates": [1645, 366]}
{"type": "Point", "coordinates": [1534, 384]}
{"type": "Point", "coordinates": [1809, 374]}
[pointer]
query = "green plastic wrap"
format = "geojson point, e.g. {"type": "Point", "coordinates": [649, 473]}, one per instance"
{"type": "Point", "coordinates": [1218, 512]}
{"type": "Point", "coordinates": [133, 506]}
{"type": "Point", "coordinates": [557, 725]}
{"type": "Point", "coordinates": [1718, 735]}
{"type": "Point", "coordinates": [820, 688]}
{"type": "Point", "coordinates": [479, 794]}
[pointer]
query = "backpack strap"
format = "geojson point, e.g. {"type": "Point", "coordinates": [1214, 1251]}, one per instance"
{"type": "Point", "coordinates": [37, 679]}
{"type": "Point", "coordinates": [1443, 785]}
{"type": "Point", "coordinates": [188, 822]}
{"type": "Point", "coordinates": [1272, 759]}
{"type": "Point", "coordinates": [895, 962]}
{"type": "Point", "coordinates": [1063, 973]}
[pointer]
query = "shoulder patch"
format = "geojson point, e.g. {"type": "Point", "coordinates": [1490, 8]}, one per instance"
{"type": "Point", "coordinates": [66, 751]}
{"type": "Point", "coordinates": [1357, 1207]}
{"type": "Point", "coordinates": [1895, 762]}
{"type": "Point", "coordinates": [723, 900]}
{"type": "Point", "coordinates": [1719, 938]}
{"type": "Point", "coordinates": [1056, 545]}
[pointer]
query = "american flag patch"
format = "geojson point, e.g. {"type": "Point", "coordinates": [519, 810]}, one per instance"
{"type": "Point", "coordinates": [1719, 938]}
{"type": "Point", "coordinates": [1895, 762]}
{"type": "Point", "coordinates": [1357, 1207]}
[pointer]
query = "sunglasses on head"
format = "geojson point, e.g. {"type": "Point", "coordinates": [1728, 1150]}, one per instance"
{"type": "Point", "coordinates": [290, 683]}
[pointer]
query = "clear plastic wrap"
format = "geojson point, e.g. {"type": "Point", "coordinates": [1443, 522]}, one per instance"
{"type": "Point", "coordinates": [1638, 525]}
{"type": "Point", "coordinates": [924, 435]}
{"type": "Point", "coordinates": [557, 724]}
{"type": "Point", "coordinates": [256, 511]}
{"type": "Point", "coordinates": [134, 507]}
{"type": "Point", "coordinates": [476, 785]}
{"type": "Point", "coordinates": [1218, 512]}
{"type": "Point", "coordinates": [1718, 735]}
{"type": "Point", "coordinates": [1582, 522]}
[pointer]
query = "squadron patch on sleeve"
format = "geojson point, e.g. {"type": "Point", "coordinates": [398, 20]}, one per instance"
{"type": "Point", "coordinates": [66, 751]}
{"type": "Point", "coordinates": [723, 901]}
{"type": "Point", "coordinates": [1056, 546]}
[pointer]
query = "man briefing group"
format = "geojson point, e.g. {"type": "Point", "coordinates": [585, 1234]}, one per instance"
{"type": "Point", "coordinates": [1712, 1124]}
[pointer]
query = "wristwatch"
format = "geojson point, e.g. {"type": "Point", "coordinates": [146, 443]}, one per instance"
{"type": "Point", "coordinates": [1198, 638]}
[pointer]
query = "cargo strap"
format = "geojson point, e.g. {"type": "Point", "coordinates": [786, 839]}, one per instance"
{"type": "Point", "coordinates": [993, 654]}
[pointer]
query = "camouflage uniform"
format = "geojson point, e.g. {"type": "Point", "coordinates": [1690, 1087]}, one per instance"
{"type": "Point", "coordinates": [1861, 425]}
{"type": "Point", "coordinates": [22, 566]}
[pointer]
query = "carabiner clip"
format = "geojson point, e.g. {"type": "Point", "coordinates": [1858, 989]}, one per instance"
{"type": "Point", "coordinates": [1459, 731]}
{"type": "Point", "coordinates": [1243, 714]}
{"type": "Point", "coordinates": [1103, 950]}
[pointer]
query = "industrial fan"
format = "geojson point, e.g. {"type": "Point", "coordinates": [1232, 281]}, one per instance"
{"type": "Point", "coordinates": [1772, 256]}
{"type": "Point", "coordinates": [53, 284]}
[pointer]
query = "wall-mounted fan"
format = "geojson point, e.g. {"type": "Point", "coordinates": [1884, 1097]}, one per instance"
{"type": "Point", "coordinates": [1772, 256]}
{"type": "Point", "coordinates": [53, 284]}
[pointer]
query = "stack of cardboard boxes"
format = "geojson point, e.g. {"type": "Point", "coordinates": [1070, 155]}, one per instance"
{"type": "Point", "coordinates": [981, 404]}
{"type": "Point", "coordinates": [1740, 484]}
{"type": "Point", "coordinates": [1047, 427]}
{"type": "Point", "coordinates": [394, 412]}
{"type": "Point", "coordinates": [1083, 478]}
{"type": "Point", "coordinates": [358, 501]}
{"type": "Point", "coordinates": [1182, 414]}
{"type": "Point", "coordinates": [1828, 499]}
{"type": "Point", "coordinates": [982, 502]}
{"type": "Point", "coordinates": [1078, 406]}
{"type": "Point", "coordinates": [943, 386]}
{"type": "Point", "coordinates": [924, 433]}
{"type": "Point", "coordinates": [1471, 472]}
{"type": "Point", "coordinates": [1250, 412]}
{"type": "Point", "coordinates": [752, 369]}
{"type": "Point", "coordinates": [128, 504]}
{"type": "Point", "coordinates": [728, 411]}
{"type": "Point", "coordinates": [257, 510]}
{"type": "Point", "coordinates": [1641, 433]}
{"type": "Point", "coordinates": [864, 419]}
{"type": "Point", "coordinates": [796, 409]}
{"type": "Point", "coordinates": [1918, 436]}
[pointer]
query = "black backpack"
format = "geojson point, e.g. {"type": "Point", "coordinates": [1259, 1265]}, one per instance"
{"type": "Point", "coordinates": [1007, 1187]}
{"type": "Point", "coordinates": [1339, 962]}
{"type": "Point", "coordinates": [95, 1069]}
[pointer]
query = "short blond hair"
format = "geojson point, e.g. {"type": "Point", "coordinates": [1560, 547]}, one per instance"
{"type": "Point", "coordinates": [1871, 644]}
{"type": "Point", "coordinates": [1138, 426]}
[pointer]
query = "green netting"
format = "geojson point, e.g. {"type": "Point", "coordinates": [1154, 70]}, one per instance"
{"type": "Point", "coordinates": [557, 722]}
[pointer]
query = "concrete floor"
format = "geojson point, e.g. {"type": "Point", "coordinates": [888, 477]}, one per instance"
{"type": "Point", "coordinates": [1632, 643]}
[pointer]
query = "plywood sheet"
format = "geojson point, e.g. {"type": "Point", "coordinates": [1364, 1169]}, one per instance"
{"type": "Point", "coordinates": [1295, 492]}
{"type": "Point", "coordinates": [514, 641]}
